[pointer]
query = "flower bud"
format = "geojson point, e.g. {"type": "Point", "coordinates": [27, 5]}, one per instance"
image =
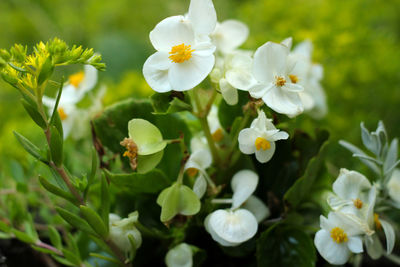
{"type": "Point", "coordinates": [121, 229]}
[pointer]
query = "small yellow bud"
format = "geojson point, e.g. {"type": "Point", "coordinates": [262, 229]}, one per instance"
{"type": "Point", "coordinates": [338, 235]}
{"type": "Point", "coordinates": [262, 143]}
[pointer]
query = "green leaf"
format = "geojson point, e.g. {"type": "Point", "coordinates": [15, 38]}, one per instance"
{"type": "Point", "coordinates": [55, 116]}
{"type": "Point", "coordinates": [63, 261]}
{"type": "Point", "coordinates": [150, 182]}
{"type": "Point", "coordinates": [4, 227]}
{"type": "Point", "coordinates": [146, 136]}
{"type": "Point", "coordinates": [56, 190]}
{"type": "Point", "coordinates": [103, 257]}
{"type": "Point", "coordinates": [189, 203]}
{"type": "Point", "coordinates": [30, 148]}
{"type": "Point", "coordinates": [93, 171]}
{"type": "Point", "coordinates": [75, 220]}
{"type": "Point", "coordinates": [302, 187]}
{"type": "Point", "coordinates": [94, 221]}
{"type": "Point", "coordinates": [44, 250]}
{"type": "Point", "coordinates": [23, 236]}
{"type": "Point", "coordinates": [104, 201]}
{"type": "Point", "coordinates": [71, 257]}
{"type": "Point", "coordinates": [148, 162]}
{"type": "Point", "coordinates": [34, 113]}
{"type": "Point", "coordinates": [227, 114]}
{"type": "Point", "coordinates": [56, 146]}
{"type": "Point", "coordinates": [285, 246]}
{"type": "Point", "coordinates": [46, 71]}
{"type": "Point", "coordinates": [55, 237]}
{"type": "Point", "coordinates": [166, 103]}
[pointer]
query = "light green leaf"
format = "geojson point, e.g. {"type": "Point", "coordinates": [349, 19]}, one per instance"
{"type": "Point", "coordinates": [56, 146]}
{"type": "Point", "coordinates": [56, 190]}
{"type": "Point", "coordinates": [55, 237]}
{"type": "Point", "coordinates": [30, 148]}
{"type": "Point", "coordinates": [189, 203]}
{"type": "Point", "coordinates": [75, 220]}
{"type": "Point", "coordinates": [148, 162]}
{"type": "Point", "coordinates": [94, 221]}
{"type": "Point", "coordinates": [169, 202]}
{"type": "Point", "coordinates": [34, 113]}
{"type": "Point", "coordinates": [146, 136]}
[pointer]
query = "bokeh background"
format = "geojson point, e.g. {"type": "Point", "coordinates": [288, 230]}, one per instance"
{"type": "Point", "coordinates": [357, 42]}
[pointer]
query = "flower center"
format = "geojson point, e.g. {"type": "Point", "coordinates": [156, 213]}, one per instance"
{"type": "Point", "coordinates": [192, 172]}
{"type": "Point", "coordinates": [76, 79]}
{"type": "Point", "coordinates": [217, 135]}
{"type": "Point", "coordinates": [62, 113]}
{"type": "Point", "coordinates": [358, 203]}
{"type": "Point", "coordinates": [180, 53]}
{"type": "Point", "coordinates": [293, 78]}
{"type": "Point", "coordinates": [131, 151]}
{"type": "Point", "coordinates": [338, 235]}
{"type": "Point", "coordinates": [262, 143]}
{"type": "Point", "coordinates": [378, 224]}
{"type": "Point", "coordinates": [280, 81]}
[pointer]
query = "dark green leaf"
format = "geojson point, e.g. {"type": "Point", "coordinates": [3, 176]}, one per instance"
{"type": "Point", "coordinates": [166, 103]}
{"type": "Point", "coordinates": [75, 220]}
{"type": "Point", "coordinates": [56, 146]}
{"type": "Point", "coordinates": [227, 114]}
{"type": "Point", "coordinates": [56, 190]}
{"type": "Point", "coordinates": [104, 201]}
{"type": "Point", "coordinates": [34, 113]}
{"type": "Point", "coordinates": [150, 182]}
{"type": "Point", "coordinates": [71, 257]}
{"type": "Point", "coordinates": [285, 246]}
{"type": "Point", "coordinates": [30, 148]}
{"type": "Point", "coordinates": [94, 221]}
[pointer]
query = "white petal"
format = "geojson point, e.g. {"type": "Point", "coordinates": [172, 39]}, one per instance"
{"type": "Point", "coordinates": [292, 87]}
{"type": "Point", "coordinates": [373, 246]}
{"type": "Point", "coordinates": [390, 235]}
{"type": "Point", "coordinates": [215, 236]}
{"type": "Point", "coordinates": [304, 48]}
{"type": "Point", "coordinates": [90, 79]}
{"type": "Point", "coordinates": [229, 93]}
{"type": "Point", "coordinates": [355, 244]}
{"type": "Point", "coordinates": [230, 34]}
{"type": "Point", "coordinates": [198, 142]}
{"type": "Point", "coordinates": [203, 49]}
{"type": "Point", "coordinates": [246, 140]}
{"type": "Point", "coordinates": [307, 100]}
{"type": "Point", "coordinates": [394, 186]}
{"type": "Point", "coordinates": [260, 90]}
{"type": "Point", "coordinates": [233, 226]}
{"type": "Point", "coordinates": [288, 42]}
{"type": "Point", "coordinates": [281, 135]}
{"type": "Point", "coordinates": [269, 61]}
{"type": "Point", "coordinates": [264, 156]}
{"type": "Point", "coordinates": [170, 32]}
{"type": "Point", "coordinates": [202, 16]}
{"type": "Point", "coordinates": [180, 256]}
{"type": "Point", "coordinates": [243, 185]}
{"type": "Point", "coordinates": [331, 251]}
{"type": "Point", "coordinates": [200, 186]}
{"type": "Point", "coordinates": [49, 102]}
{"type": "Point", "coordinates": [200, 159]}
{"type": "Point", "coordinates": [186, 75]}
{"type": "Point", "coordinates": [349, 184]}
{"type": "Point", "coordinates": [283, 102]}
{"type": "Point", "coordinates": [155, 71]}
{"type": "Point", "coordinates": [257, 207]}
{"type": "Point", "coordinates": [240, 79]}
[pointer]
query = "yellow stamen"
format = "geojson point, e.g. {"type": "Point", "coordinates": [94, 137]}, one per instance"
{"type": "Point", "coordinates": [180, 53]}
{"type": "Point", "coordinates": [338, 235]}
{"type": "Point", "coordinates": [378, 224]}
{"type": "Point", "coordinates": [280, 81]}
{"type": "Point", "coordinates": [131, 151]}
{"type": "Point", "coordinates": [358, 203]}
{"type": "Point", "coordinates": [76, 79]}
{"type": "Point", "coordinates": [293, 78]}
{"type": "Point", "coordinates": [218, 135]}
{"type": "Point", "coordinates": [192, 172]}
{"type": "Point", "coordinates": [62, 113]}
{"type": "Point", "coordinates": [262, 143]}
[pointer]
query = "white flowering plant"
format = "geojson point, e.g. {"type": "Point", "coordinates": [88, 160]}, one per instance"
{"type": "Point", "coordinates": [210, 169]}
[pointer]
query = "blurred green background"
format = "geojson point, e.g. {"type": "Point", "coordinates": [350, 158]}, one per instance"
{"type": "Point", "coordinates": [357, 42]}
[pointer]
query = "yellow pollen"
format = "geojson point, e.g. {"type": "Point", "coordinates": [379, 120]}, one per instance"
{"type": "Point", "coordinates": [378, 224]}
{"type": "Point", "coordinates": [180, 53]}
{"type": "Point", "coordinates": [218, 135]}
{"type": "Point", "coordinates": [131, 151]}
{"type": "Point", "coordinates": [358, 203]}
{"type": "Point", "coordinates": [192, 172]}
{"type": "Point", "coordinates": [338, 235]}
{"type": "Point", "coordinates": [280, 81]}
{"type": "Point", "coordinates": [76, 79]}
{"type": "Point", "coordinates": [293, 78]}
{"type": "Point", "coordinates": [62, 114]}
{"type": "Point", "coordinates": [262, 143]}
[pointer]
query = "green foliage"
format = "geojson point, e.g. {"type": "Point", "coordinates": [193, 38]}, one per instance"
{"type": "Point", "coordinates": [282, 245]}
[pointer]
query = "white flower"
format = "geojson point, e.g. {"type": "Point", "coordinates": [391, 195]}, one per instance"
{"type": "Point", "coordinates": [277, 85]}
{"type": "Point", "coordinates": [233, 71]}
{"type": "Point", "coordinates": [394, 187]}
{"type": "Point", "coordinates": [260, 138]}
{"type": "Point", "coordinates": [309, 76]}
{"type": "Point", "coordinates": [184, 54]}
{"type": "Point", "coordinates": [216, 129]}
{"type": "Point", "coordinates": [239, 223]}
{"type": "Point", "coordinates": [338, 238]}
{"type": "Point", "coordinates": [196, 165]}
{"type": "Point", "coordinates": [229, 35]}
{"type": "Point", "coordinates": [121, 229]}
{"type": "Point", "coordinates": [179, 256]}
